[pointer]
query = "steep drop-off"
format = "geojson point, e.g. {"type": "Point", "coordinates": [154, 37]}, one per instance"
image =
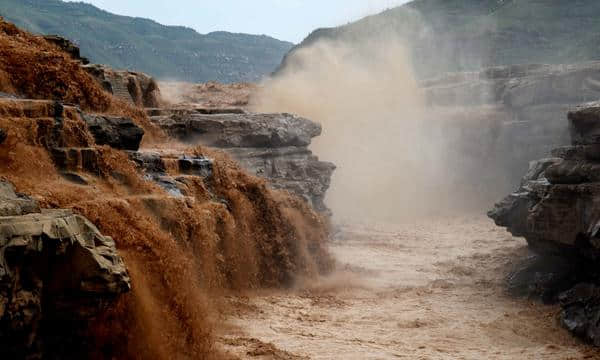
{"type": "Point", "coordinates": [225, 231]}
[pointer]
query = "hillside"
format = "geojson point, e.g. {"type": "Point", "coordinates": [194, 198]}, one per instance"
{"type": "Point", "coordinates": [460, 35]}
{"type": "Point", "coordinates": [167, 52]}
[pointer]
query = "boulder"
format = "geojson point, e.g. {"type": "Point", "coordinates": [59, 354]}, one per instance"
{"type": "Point", "coordinates": [56, 273]}
{"type": "Point", "coordinates": [117, 132]}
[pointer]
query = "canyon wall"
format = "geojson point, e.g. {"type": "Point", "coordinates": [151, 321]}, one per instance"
{"type": "Point", "coordinates": [557, 209]}
{"type": "Point", "coordinates": [497, 120]}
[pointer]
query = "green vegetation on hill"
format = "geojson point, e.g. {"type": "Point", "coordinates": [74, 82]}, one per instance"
{"type": "Point", "coordinates": [166, 52]}
{"type": "Point", "coordinates": [460, 35]}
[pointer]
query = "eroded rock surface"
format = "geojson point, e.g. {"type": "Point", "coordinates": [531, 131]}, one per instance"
{"type": "Point", "coordinates": [557, 210]}
{"type": "Point", "coordinates": [56, 272]}
{"type": "Point", "coordinates": [274, 146]}
{"type": "Point", "coordinates": [134, 87]}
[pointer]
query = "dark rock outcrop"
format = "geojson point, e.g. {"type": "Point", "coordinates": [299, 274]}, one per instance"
{"type": "Point", "coordinates": [557, 210]}
{"type": "Point", "coordinates": [581, 311]}
{"type": "Point", "coordinates": [56, 273]}
{"type": "Point", "coordinates": [117, 132]}
{"type": "Point", "coordinates": [75, 159]}
{"type": "Point", "coordinates": [172, 170]}
{"type": "Point", "coordinates": [3, 136]}
{"type": "Point", "coordinates": [273, 146]}
{"type": "Point", "coordinates": [134, 87]}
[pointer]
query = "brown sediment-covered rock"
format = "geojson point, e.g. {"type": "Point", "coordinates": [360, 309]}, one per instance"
{"type": "Point", "coordinates": [56, 272]}
{"type": "Point", "coordinates": [557, 210]}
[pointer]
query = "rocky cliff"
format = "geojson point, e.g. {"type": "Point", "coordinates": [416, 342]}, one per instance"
{"type": "Point", "coordinates": [556, 209]}
{"type": "Point", "coordinates": [272, 146]}
{"type": "Point", "coordinates": [497, 120]}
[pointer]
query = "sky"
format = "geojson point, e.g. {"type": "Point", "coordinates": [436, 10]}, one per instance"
{"type": "Point", "coordinates": [290, 20]}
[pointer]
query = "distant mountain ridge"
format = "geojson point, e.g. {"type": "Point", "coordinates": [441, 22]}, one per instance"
{"type": "Point", "coordinates": [465, 35]}
{"type": "Point", "coordinates": [166, 52]}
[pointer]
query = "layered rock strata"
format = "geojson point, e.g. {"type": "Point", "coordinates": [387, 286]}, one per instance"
{"type": "Point", "coordinates": [273, 146]}
{"type": "Point", "coordinates": [56, 272]}
{"type": "Point", "coordinates": [172, 170]}
{"type": "Point", "coordinates": [508, 115]}
{"type": "Point", "coordinates": [557, 210]}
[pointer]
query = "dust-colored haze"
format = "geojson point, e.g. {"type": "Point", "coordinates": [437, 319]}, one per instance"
{"type": "Point", "coordinates": [372, 112]}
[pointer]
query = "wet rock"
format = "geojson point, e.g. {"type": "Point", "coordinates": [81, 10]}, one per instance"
{"type": "Point", "coordinates": [76, 159]}
{"type": "Point", "coordinates": [74, 178]}
{"type": "Point", "coordinates": [194, 165]}
{"type": "Point", "coordinates": [159, 161]}
{"type": "Point", "coordinates": [117, 132]}
{"type": "Point", "coordinates": [56, 272]}
{"type": "Point", "coordinates": [273, 146]}
{"type": "Point", "coordinates": [543, 276]}
{"type": "Point", "coordinates": [581, 311]}
{"type": "Point", "coordinates": [169, 169]}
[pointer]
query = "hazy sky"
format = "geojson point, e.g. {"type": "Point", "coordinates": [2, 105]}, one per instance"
{"type": "Point", "coordinates": [288, 20]}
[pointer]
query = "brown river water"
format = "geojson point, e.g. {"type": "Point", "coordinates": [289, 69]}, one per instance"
{"type": "Point", "coordinates": [427, 289]}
